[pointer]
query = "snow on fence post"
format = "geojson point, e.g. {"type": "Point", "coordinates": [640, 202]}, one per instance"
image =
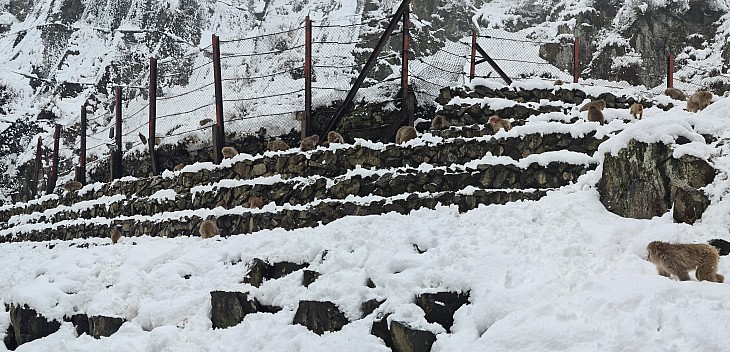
{"type": "Point", "coordinates": [217, 154]}
{"type": "Point", "coordinates": [37, 168]}
{"type": "Point", "coordinates": [404, 66]}
{"type": "Point", "coordinates": [54, 161]}
{"type": "Point", "coordinates": [116, 157]}
{"type": "Point", "coordinates": [670, 71]}
{"type": "Point", "coordinates": [576, 57]}
{"type": "Point", "coordinates": [81, 169]}
{"type": "Point", "coordinates": [152, 133]}
{"type": "Point", "coordinates": [473, 64]}
{"type": "Point", "coordinates": [307, 116]}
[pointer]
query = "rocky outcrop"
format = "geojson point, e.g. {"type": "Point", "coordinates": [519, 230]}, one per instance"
{"type": "Point", "coordinates": [407, 339]}
{"type": "Point", "coordinates": [440, 307]}
{"type": "Point", "coordinates": [28, 325]}
{"type": "Point", "coordinates": [229, 308]}
{"type": "Point", "coordinates": [320, 316]}
{"type": "Point", "coordinates": [260, 271]}
{"type": "Point", "coordinates": [101, 326]}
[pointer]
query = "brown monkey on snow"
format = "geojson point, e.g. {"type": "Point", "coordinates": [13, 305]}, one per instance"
{"type": "Point", "coordinates": [116, 235]}
{"type": "Point", "coordinates": [558, 82]}
{"type": "Point", "coordinates": [277, 145]}
{"type": "Point", "coordinates": [439, 123]}
{"type": "Point", "coordinates": [496, 122]}
{"type": "Point", "coordinates": [334, 137]}
{"type": "Point", "coordinates": [71, 186]}
{"type": "Point", "coordinates": [637, 109]}
{"type": "Point", "coordinates": [678, 259]}
{"type": "Point", "coordinates": [600, 104]}
{"type": "Point", "coordinates": [178, 167]}
{"type": "Point", "coordinates": [229, 152]}
{"type": "Point", "coordinates": [208, 229]}
{"type": "Point", "coordinates": [405, 134]}
{"type": "Point", "coordinates": [309, 143]}
{"type": "Point", "coordinates": [675, 93]}
{"type": "Point", "coordinates": [698, 101]}
{"type": "Point", "coordinates": [594, 114]}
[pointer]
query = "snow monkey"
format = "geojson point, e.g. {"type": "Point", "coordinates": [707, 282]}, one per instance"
{"type": "Point", "coordinates": [498, 123]}
{"type": "Point", "coordinates": [600, 104]}
{"type": "Point", "coordinates": [559, 82]}
{"type": "Point", "coordinates": [334, 137]}
{"type": "Point", "coordinates": [595, 114]}
{"type": "Point", "coordinates": [178, 167]}
{"type": "Point", "coordinates": [208, 229]}
{"type": "Point", "coordinates": [405, 134]}
{"type": "Point", "coordinates": [439, 123]}
{"type": "Point", "coordinates": [675, 93]}
{"type": "Point", "coordinates": [699, 100]}
{"type": "Point", "coordinates": [255, 202]}
{"type": "Point", "coordinates": [678, 259]}
{"type": "Point", "coordinates": [277, 145]}
{"type": "Point", "coordinates": [637, 110]}
{"type": "Point", "coordinates": [309, 143]}
{"type": "Point", "coordinates": [71, 186]}
{"type": "Point", "coordinates": [229, 152]}
{"type": "Point", "coordinates": [116, 235]}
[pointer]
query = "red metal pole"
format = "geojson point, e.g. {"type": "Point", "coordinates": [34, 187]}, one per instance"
{"type": "Point", "coordinates": [151, 134]}
{"type": "Point", "coordinates": [54, 161]}
{"type": "Point", "coordinates": [116, 168]}
{"type": "Point", "coordinates": [576, 57]}
{"type": "Point", "coordinates": [81, 174]}
{"type": "Point", "coordinates": [670, 71]}
{"type": "Point", "coordinates": [404, 63]}
{"type": "Point", "coordinates": [473, 64]}
{"type": "Point", "coordinates": [37, 168]}
{"type": "Point", "coordinates": [307, 122]}
{"type": "Point", "coordinates": [218, 82]}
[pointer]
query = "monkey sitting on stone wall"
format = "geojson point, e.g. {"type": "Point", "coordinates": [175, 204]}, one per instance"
{"type": "Point", "coordinates": [277, 145]}
{"type": "Point", "coordinates": [600, 104]}
{"type": "Point", "coordinates": [334, 137]}
{"type": "Point", "coordinates": [498, 123]}
{"type": "Point", "coordinates": [72, 186]}
{"type": "Point", "coordinates": [229, 152]}
{"type": "Point", "coordinates": [594, 114]}
{"type": "Point", "coordinates": [679, 259]}
{"type": "Point", "coordinates": [439, 123]}
{"type": "Point", "coordinates": [208, 229]}
{"type": "Point", "coordinates": [309, 143]}
{"type": "Point", "coordinates": [675, 93]}
{"type": "Point", "coordinates": [405, 134]}
{"type": "Point", "coordinates": [116, 235]}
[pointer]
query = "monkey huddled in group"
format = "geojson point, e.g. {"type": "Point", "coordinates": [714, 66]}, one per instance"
{"type": "Point", "coordinates": [334, 137]}
{"type": "Point", "coordinates": [600, 104]}
{"type": "Point", "coordinates": [309, 143]}
{"type": "Point", "coordinates": [675, 93]}
{"type": "Point", "coordinates": [405, 134]}
{"type": "Point", "coordinates": [439, 123]}
{"type": "Point", "coordinates": [229, 152]}
{"type": "Point", "coordinates": [698, 101]}
{"type": "Point", "coordinates": [637, 109]}
{"type": "Point", "coordinates": [679, 259]}
{"type": "Point", "coordinates": [596, 115]}
{"type": "Point", "coordinates": [498, 123]}
{"type": "Point", "coordinates": [72, 186]}
{"type": "Point", "coordinates": [116, 235]}
{"type": "Point", "coordinates": [277, 145]}
{"type": "Point", "coordinates": [208, 229]}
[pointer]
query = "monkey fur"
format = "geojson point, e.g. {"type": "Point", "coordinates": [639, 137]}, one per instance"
{"type": "Point", "coordinates": [558, 82]}
{"type": "Point", "coordinates": [600, 104]}
{"type": "Point", "coordinates": [678, 259]}
{"type": "Point", "coordinates": [277, 145]}
{"type": "Point", "coordinates": [71, 186]}
{"type": "Point", "coordinates": [229, 152]}
{"type": "Point", "coordinates": [675, 93]}
{"type": "Point", "coordinates": [334, 137]}
{"type": "Point", "coordinates": [698, 101]}
{"type": "Point", "coordinates": [405, 134]}
{"type": "Point", "coordinates": [208, 229]}
{"type": "Point", "coordinates": [722, 246]}
{"type": "Point", "coordinates": [255, 202]}
{"type": "Point", "coordinates": [637, 109]}
{"type": "Point", "coordinates": [594, 114]}
{"type": "Point", "coordinates": [309, 143]}
{"type": "Point", "coordinates": [116, 235]}
{"type": "Point", "coordinates": [178, 167]}
{"type": "Point", "coordinates": [439, 123]}
{"type": "Point", "coordinates": [496, 122]}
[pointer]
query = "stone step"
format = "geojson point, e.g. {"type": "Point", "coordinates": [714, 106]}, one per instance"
{"type": "Point", "coordinates": [243, 221]}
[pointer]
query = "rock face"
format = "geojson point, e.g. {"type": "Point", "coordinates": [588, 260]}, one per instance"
{"type": "Point", "coordinates": [101, 326]}
{"type": "Point", "coordinates": [406, 339]}
{"type": "Point", "coordinates": [320, 316]}
{"type": "Point", "coordinates": [229, 308]}
{"type": "Point", "coordinates": [28, 325]}
{"type": "Point", "coordinates": [260, 271]}
{"type": "Point", "coordinates": [440, 307]}
{"type": "Point", "coordinates": [644, 181]}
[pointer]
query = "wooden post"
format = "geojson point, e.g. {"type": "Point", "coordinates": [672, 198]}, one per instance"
{"type": "Point", "coordinates": [473, 65]}
{"type": "Point", "coordinates": [670, 71]}
{"type": "Point", "coordinates": [214, 130]}
{"type": "Point", "coordinates": [495, 67]}
{"type": "Point", "coordinates": [54, 161]}
{"type": "Point", "coordinates": [307, 118]}
{"type": "Point", "coordinates": [218, 82]}
{"type": "Point", "coordinates": [576, 57]}
{"type": "Point", "coordinates": [81, 170]}
{"type": "Point", "coordinates": [116, 164]}
{"type": "Point", "coordinates": [404, 66]}
{"type": "Point", "coordinates": [37, 168]}
{"type": "Point", "coordinates": [152, 133]}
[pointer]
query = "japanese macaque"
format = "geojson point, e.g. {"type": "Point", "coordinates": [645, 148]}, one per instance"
{"type": "Point", "coordinates": [142, 138]}
{"type": "Point", "coordinates": [309, 143]}
{"type": "Point", "coordinates": [699, 101]}
{"type": "Point", "coordinates": [722, 246]}
{"type": "Point", "coordinates": [675, 93]}
{"type": "Point", "coordinates": [678, 259]}
{"type": "Point", "coordinates": [439, 123]}
{"type": "Point", "coordinates": [116, 235]}
{"type": "Point", "coordinates": [71, 186]}
{"type": "Point", "coordinates": [559, 82]}
{"type": "Point", "coordinates": [208, 229]}
{"type": "Point", "coordinates": [229, 152]}
{"type": "Point", "coordinates": [334, 137]}
{"type": "Point", "coordinates": [178, 167]}
{"type": "Point", "coordinates": [595, 114]}
{"type": "Point", "coordinates": [277, 145]}
{"type": "Point", "coordinates": [600, 104]}
{"type": "Point", "coordinates": [255, 202]}
{"type": "Point", "coordinates": [637, 109]}
{"type": "Point", "coordinates": [405, 134]}
{"type": "Point", "coordinates": [496, 122]}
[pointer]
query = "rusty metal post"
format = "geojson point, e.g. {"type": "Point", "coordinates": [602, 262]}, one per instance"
{"type": "Point", "coordinates": [670, 71]}
{"type": "Point", "coordinates": [37, 168]}
{"type": "Point", "coordinates": [473, 64]}
{"type": "Point", "coordinates": [116, 164]}
{"type": "Point", "coordinates": [307, 118]}
{"type": "Point", "coordinates": [404, 64]}
{"type": "Point", "coordinates": [218, 82]}
{"type": "Point", "coordinates": [576, 57]}
{"type": "Point", "coordinates": [81, 170]}
{"type": "Point", "coordinates": [152, 133]}
{"type": "Point", "coordinates": [54, 161]}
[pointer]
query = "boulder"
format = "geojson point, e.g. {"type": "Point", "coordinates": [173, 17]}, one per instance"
{"type": "Point", "coordinates": [320, 316]}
